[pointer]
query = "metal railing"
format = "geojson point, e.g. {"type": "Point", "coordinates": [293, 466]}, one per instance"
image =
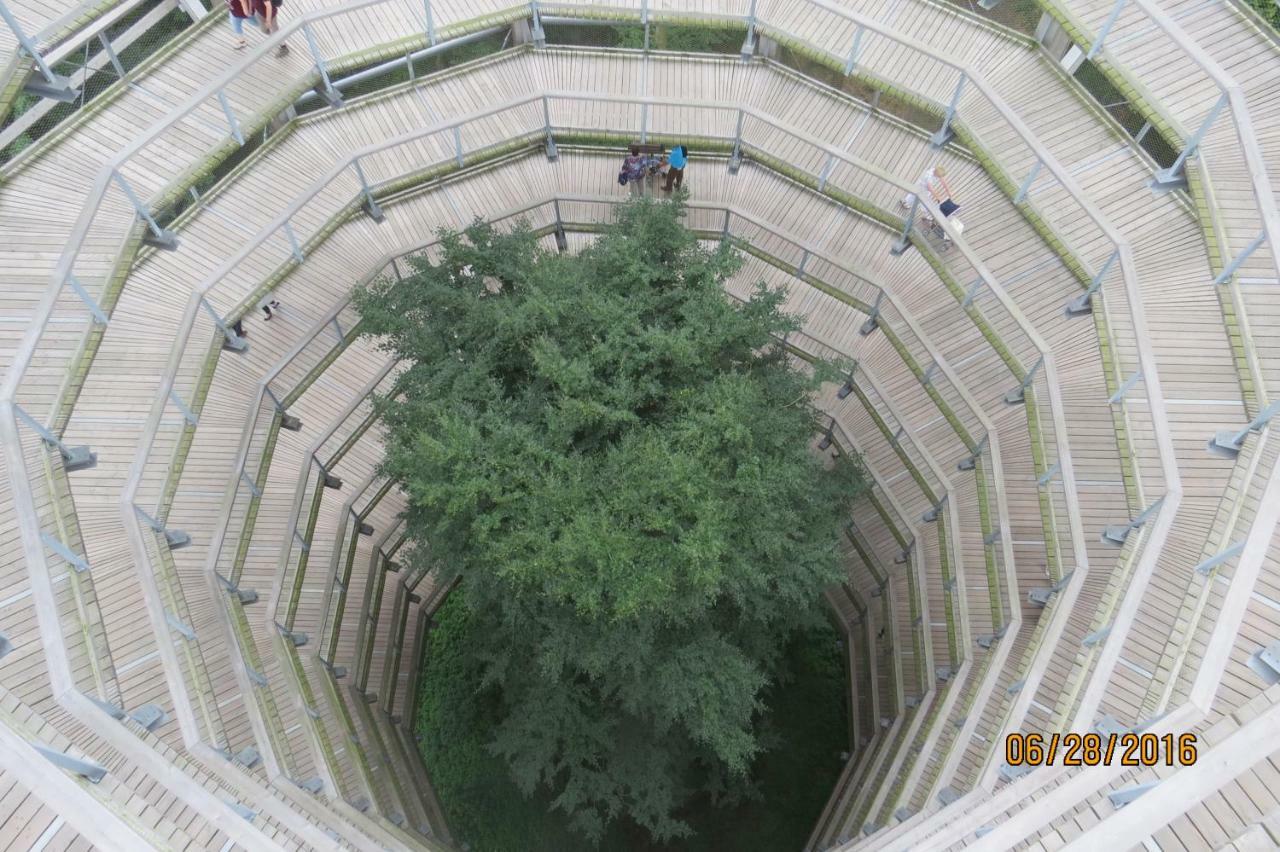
{"type": "Point", "coordinates": [112, 204]}
{"type": "Point", "coordinates": [244, 483]}
{"type": "Point", "coordinates": [1240, 146]}
{"type": "Point", "coordinates": [288, 239]}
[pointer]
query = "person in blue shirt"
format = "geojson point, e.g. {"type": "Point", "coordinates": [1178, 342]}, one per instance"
{"type": "Point", "coordinates": [675, 168]}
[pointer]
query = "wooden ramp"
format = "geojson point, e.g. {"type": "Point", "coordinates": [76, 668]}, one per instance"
{"type": "Point", "coordinates": [218, 614]}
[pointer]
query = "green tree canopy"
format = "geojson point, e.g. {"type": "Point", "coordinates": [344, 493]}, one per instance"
{"type": "Point", "coordinates": [614, 457]}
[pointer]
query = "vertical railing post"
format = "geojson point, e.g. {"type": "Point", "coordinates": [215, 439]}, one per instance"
{"type": "Point", "coordinates": [99, 315]}
{"type": "Point", "coordinates": [370, 203]}
{"type": "Point", "coordinates": [537, 33]}
{"type": "Point", "coordinates": [1173, 177]}
{"type": "Point", "coordinates": [1026, 183]}
{"type": "Point", "coordinates": [431, 23]}
{"type": "Point", "coordinates": [644, 122]}
{"type": "Point", "coordinates": [293, 242]}
{"type": "Point", "coordinates": [944, 133]}
{"type": "Point", "coordinates": [1083, 303]}
{"type": "Point", "coordinates": [326, 90]}
{"type": "Point", "coordinates": [724, 233]}
{"type": "Point", "coordinates": [562, 241]}
{"type": "Point", "coordinates": [904, 242]}
{"type": "Point", "coordinates": [111, 54]}
{"type": "Point", "coordinates": [749, 43]}
{"type": "Point", "coordinates": [1106, 29]}
{"type": "Point", "coordinates": [735, 161]}
{"type": "Point", "coordinates": [233, 341]}
{"type": "Point", "coordinates": [873, 318]}
{"type": "Point", "coordinates": [852, 62]}
{"type": "Point", "coordinates": [1120, 393]}
{"type": "Point", "coordinates": [825, 174]}
{"type": "Point", "coordinates": [231, 118]}
{"type": "Point", "coordinates": [73, 458]}
{"type": "Point", "coordinates": [1240, 258]}
{"type": "Point", "coordinates": [54, 85]}
{"type": "Point", "coordinates": [1019, 394]}
{"type": "Point", "coordinates": [553, 153]}
{"type": "Point", "coordinates": [159, 237]}
{"type": "Point", "coordinates": [457, 145]}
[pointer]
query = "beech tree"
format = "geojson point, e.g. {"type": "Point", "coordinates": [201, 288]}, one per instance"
{"type": "Point", "coordinates": [615, 459]}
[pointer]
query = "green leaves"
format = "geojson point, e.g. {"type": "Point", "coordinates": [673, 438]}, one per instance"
{"type": "Point", "coordinates": [614, 458]}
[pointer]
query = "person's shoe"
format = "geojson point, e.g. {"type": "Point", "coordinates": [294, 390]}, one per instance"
{"type": "Point", "coordinates": [240, 43]}
{"type": "Point", "coordinates": [282, 50]}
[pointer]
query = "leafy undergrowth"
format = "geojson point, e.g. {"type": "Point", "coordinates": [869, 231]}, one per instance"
{"type": "Point", "coordinates": [805, 729]}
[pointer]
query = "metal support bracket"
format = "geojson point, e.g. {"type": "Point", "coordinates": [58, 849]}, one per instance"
{"type": "Point", "coordinates": [325, 89]}
{"type": "Point", "coordinates": [1106, 28]}
{"type": "Point", "coordinates": [73, 458]}
{"type": "Point", "coordinates": [49, 85]}
{"type": "Point", "coordinates": [99, 315]}
{"type": "Point", "coordinates": [82, 767]}
{"type": "Point", "coordinates": [945, 133]}
{"type": "Point", "coordinates": [181, 626]}
{"type": "Point", "coordinates": [1126, 387]}
{"type": "Point", "coordinates": [431, 24]}
{"type": "Point", "coordinates": [231, 340]}
{"type": "Point", "coordinates": [1117, 533]}
{"type": "Point", "coordinates": [932, 515]}
{"type": "Point", "coordinates": [971, 462]}
{"type": "Point", "coordinates": [294, 247]}
{"type": "Point", "coordinates": [904, 241]}
{"type": "Point", "coordinates": [158, 237]}
{"type": "Point", "coordinates": [873, 319]}
{"type": "Point", "coordinates": [1019, 394]}
{"type": "Point", "coordinates": [972, 293]}
{"type": "Point", "coordinates": [1240, 258]}
{"type": "Point", "coordinates": [1175, 176]}
{"type": "Point", "coordinates": [1047, 477]}
{"type": "Point", "coordinates": [1013, 773]}
{"type": "Point", "coordinates": [1228, 442]}
{"type": "Point", "coordinates": [1206, 567]}
{"type": "Point", "coordinates": [1120, 798]}
{"type": "Point", "coordinates": [553, 153]}
{"type": "Point", "coordinates": [735, 160]}
{"type": "Point", "coordinates": [370, 203]}
{"type": "Point", "coordinates": [1096, 636]}
{"type": "Point", "coordinates": [67, 555]}
{"type": "Point", "coordinates": [187, 414]}
{"type": "Point", "coordinates": [1083, 303]}
{"type": "Point", "coordinates": [149, 716]}
{"type": "Point", "coordinates": [1025, 188]}
{"type": "Point", "coordinates": [852, 62]}
{"type": "Point", "coordinates": [232, 123]}
{"type": "Point", "coordinates": [1265, 662]}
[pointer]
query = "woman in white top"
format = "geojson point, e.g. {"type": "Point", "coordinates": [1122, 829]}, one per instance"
{"type": "Point", "coordinates": [934, 180]}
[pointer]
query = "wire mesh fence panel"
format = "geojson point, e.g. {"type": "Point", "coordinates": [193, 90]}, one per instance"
{"type": "Point", "coordinates": [92, 67]}
{"type": "Point", "coordinates": [1018, 15]}
{"type": "Point", "coordinates": [1268, 10]}
{"type": "Point", "coordinates": [1126, 114]}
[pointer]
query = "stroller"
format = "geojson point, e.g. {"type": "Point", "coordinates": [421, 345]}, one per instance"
{"type": "Point", "coordinates": [935, 229]}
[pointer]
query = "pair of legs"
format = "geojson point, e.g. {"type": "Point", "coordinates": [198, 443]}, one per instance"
{"type": "Point", "coordinates": [268, 23]}
{"type": "Point", "coordinates": [237, 27]}
{"type": "Point", "coordinates": [675, 179]}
